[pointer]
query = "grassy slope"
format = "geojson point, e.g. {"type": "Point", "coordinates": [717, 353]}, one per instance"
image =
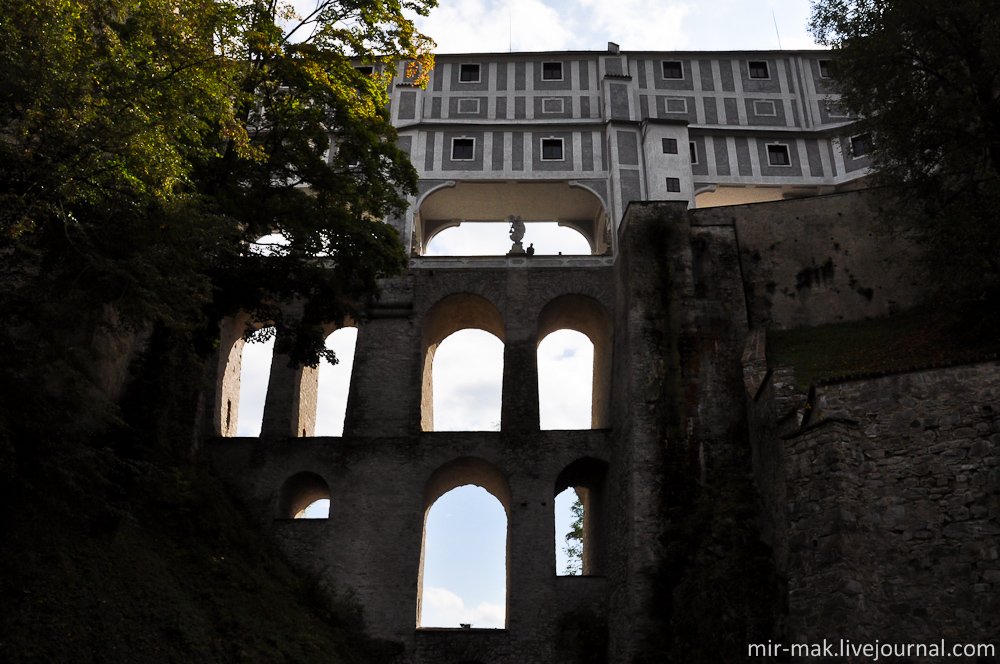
{"type": "Point", "coordinates": [188, 578]}
{"type": "Point", "coordinates": [916, 338]}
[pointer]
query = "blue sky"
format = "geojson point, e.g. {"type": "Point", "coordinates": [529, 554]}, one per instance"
{"type": "Point", "coordinates": [466, 528]}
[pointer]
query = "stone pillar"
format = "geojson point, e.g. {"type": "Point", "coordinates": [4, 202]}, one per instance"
{"type": "Point", "coordinates": [281, 405]}
{"type": "Point", "coordinates": [519, 413]}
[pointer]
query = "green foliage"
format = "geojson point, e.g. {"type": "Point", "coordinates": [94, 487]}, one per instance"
{"type": "Point", "coordinates": [144, 146]}
{"type": "Point", "coordinates": [917, 338]}
{"type": "Point", "coordinates": [925, 79]}
{"type": "Point", "coordinates": [574, 540]}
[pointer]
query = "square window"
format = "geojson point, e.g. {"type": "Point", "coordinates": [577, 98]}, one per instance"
{"type": "Point", "coordinates": [468, 73]}
{"type": "Point", "coordinates": [463, 149]}
{"type": "Point", "coordinates": [552, 105]}
{"type": "Point", "coordinates": [674, 185]}
{"type": "Point", "coordinates": [675, 105]}
{"type": "Point", "coordinates": [777, 155]}
{"type": "Point", "coordinates": [860, 145]}
{"type": "Point", "coordinates": [468, 105]}
{"type": "Point", "coordinates": [672, 69]}
{"type": "Point", "coordinates": [694, 152]}
{"type": "Point", "coordinates": [669, 146]}
{"type": "Point", "coordinates": [552, 149]}
{"type": "Point", "coordinates": [552, 71]}
{"type": "Point", "coordinates": [764, 108]}
{"type": "Point", "coordinates": [758, 69]}
{"type": "Point", "coordinates": [824, 69]}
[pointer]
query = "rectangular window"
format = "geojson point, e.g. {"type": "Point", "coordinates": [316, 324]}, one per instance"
{"type": "Point", "coordinates": [758, 69]}
{"type": "Point", "coordinates": [468, 73]}
{"type": "Point", "coordinates": [860, 145]}
{"type": "Point", "coordinates": [694, 152]}
{"type": "Point", "coordinates": [669, 146]}
{"type": "Point", "coordinates": [672, 69]}
{"type": "Point", "coordinates": [777, 155]}
{"type": "Point", "coordinates": [552, 71]}
{"type": "Point", "coordinates": [463, 149]}
{"type": "Point", "coordinates": [552, 105]}
{"type": "Point", "coordinates": [552, 149]}
{"type": "Point", "coordinates": [764, 108]}
{"type": "Point", "coordinates": [675, 105]}
{"type": "Point", "coordinates": [468, 105]}
{"type": "Point", "coordinates": [674, 185]}
{"type": "Point", "coordinates": [367, 71]}
{"type": "Point", "coordinates": [824, 69]}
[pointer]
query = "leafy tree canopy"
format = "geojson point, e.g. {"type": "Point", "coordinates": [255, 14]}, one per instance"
{"type": "Point", "coordinates": [924, 77]}
{"type": "Point", "coordinates": [145, 146]}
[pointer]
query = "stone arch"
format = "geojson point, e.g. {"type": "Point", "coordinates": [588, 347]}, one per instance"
{"type": "Point", "coordinates": [459, 311]}
{"type": "Point", "coordinates": [588, 476]}
{"type": "Point", "coordinates": [571, 204]}
{"type": "Point", "coordinates": [461, 472]}
{"type": "Point", "coordinates": [308, 388]}
{"type": "Point", "coordinates": [299, 492]}
{"type": "Point", "coordinates": [586, 315]}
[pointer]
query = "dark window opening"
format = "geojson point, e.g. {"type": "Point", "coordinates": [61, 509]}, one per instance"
{"type": "Point", "coordinates": [694, 153]}
{"type": "Point", "coordinates": [552, 71]}
{"type": "Point", "coordinates": [468, 73]}
{"type": "Point", "coordinates": [860, 146]}
{"type": "Point", "coordinates": [673, 70]}
{"type": "Point", "coordinates": [552, 149]}
{"type": "Point", "coordinates": [758, 69]}
{"type": "Point", "coordinates": [669, 146]}
{"type": "Point", "coordinates": [777, 155]}
{"type": "Point", "coordinates": [463, 149]}
{"type": "Point", "coordinates": [824, 69]}
{"type": "Point", "coordinates": [674, 185]}
{"type": "Point", "coordinates": [367, 71]}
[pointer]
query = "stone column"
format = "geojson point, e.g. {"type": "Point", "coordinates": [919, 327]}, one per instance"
{"type": "Point", "coordinates": [519, 413]}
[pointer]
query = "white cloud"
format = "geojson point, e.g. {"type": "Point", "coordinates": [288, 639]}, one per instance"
{"type": "Point", "coordinates": [487, 26]}
{"type": "Point", "coordinates": [443, 608]}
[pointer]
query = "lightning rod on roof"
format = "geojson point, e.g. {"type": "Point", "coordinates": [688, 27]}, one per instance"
{"type": "Point", "coordinates": [776, 29]}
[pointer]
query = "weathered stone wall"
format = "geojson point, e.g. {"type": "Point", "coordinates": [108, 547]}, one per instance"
{"type": "Point", "coordinates": [885, 507]}
{"type": "Point", "coordinates": [818, 260]}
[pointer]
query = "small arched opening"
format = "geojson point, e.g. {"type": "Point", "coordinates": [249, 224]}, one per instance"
{"type": "Point", "coordinates": [304, 495]}
{"type": "Point", "coordinates": [474, 397]}
{"type": "Point", "coordinates": [462, 578]}
{"type": "Point", "coordinates": [581, 512]}
{"type": "Point", "coordinates": [587, 316]}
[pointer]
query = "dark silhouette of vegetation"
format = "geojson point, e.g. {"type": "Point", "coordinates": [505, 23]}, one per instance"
{"type": "Point", "coordinates": [924, 79]}
{"type": "Point", "coordinates": [145, 147]}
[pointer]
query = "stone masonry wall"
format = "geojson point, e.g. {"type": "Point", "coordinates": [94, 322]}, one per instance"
{"type": "Point", "coordinates": [890, 527]}
{"type": "Point", "coordinates": [818, 260]}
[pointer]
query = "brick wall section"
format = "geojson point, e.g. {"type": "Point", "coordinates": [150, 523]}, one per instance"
{"type": "Point", "coordinates": [890, 527]}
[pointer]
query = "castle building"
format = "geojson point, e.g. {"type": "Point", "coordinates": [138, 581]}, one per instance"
{"type": "Point", "coordinates": [575, 136]}
{"type": "Point", "coordinates": [695, 178]}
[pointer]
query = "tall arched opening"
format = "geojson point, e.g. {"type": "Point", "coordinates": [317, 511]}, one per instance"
{"type": "Point", "coordinates": [587, 316]}
{"type": "Point", "coordinates": [459, 553]}
{"type": "Point", "coordinates": [461, 311]}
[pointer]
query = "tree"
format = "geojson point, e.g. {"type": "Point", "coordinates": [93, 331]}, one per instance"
{"type": "Point", "coordinates": [574, 540]}
{"type": "Point", "coordinates": [924, 79]}
{"type": "Point", "coordinates": [145, 146]}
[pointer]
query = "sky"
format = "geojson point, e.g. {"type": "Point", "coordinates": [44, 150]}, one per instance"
{"type": "Point", "coordinates": [466, 528]}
